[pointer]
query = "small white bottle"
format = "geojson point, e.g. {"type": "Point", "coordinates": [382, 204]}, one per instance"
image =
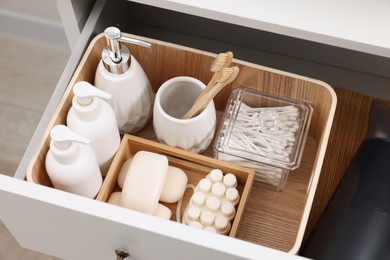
{"type": "Point", "coordinates": [120, 74]}
{"type": "Point", "coordinates": [93, 118]}
{"type": "Point", "coordinates": [71, 163]}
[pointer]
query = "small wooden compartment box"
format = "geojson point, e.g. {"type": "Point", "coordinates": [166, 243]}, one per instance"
{"type": "Point", "coordinates": [195, 166]}
{"type": "Point", "coordinates": [270, 218]}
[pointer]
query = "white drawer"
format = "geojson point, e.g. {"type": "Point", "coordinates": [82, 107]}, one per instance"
{"type": "Point", "coordinates": [72, 227]}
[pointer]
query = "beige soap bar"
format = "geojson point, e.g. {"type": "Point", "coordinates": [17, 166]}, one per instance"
{"type": "Point", "coordinates": [123, 172]}
{"type": "Point", "coordinates": [174, 185]}
{"type": "Point", "coordinates": [161, 210]}
{"type": "Point", "coordinates": [144, 182]}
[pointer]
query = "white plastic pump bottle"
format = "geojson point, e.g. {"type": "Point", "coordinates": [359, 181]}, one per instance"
{"type": "Point", "coordinates": [120, 74]}
{"type": "Point", "coordinates": [93, 118]}
{"type": "Point", "coordinates": [71, 163]}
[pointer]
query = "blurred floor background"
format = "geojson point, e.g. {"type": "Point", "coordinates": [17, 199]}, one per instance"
{"type": "Point", "coordinates": [30, 68]}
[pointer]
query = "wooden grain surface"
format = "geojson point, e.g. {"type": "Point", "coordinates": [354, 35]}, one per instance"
{"type": "Point", "coordinates": [348, 131]}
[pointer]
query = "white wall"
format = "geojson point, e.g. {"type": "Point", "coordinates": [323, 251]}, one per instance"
{"type": "Point", "coordinates": [45, 9]}
{"type": "Point", "coordinates": [74, 14]}
{"type": "Point", "coordinates": [38, 19]}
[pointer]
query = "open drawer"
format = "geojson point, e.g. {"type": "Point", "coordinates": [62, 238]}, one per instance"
{"type": "Point", "coordinates": [72, 227]}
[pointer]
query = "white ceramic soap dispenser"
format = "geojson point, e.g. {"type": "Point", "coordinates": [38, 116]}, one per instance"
{"type": "Point", "coordinates": [71, 163]}
{"type": "Point", "coordinates": [120, 74]}
{"type": "Point", "coordinates": [93, 118]}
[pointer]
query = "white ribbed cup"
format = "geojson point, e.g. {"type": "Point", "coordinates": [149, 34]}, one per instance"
{"type": "Point", "coordinates": [173, 99]}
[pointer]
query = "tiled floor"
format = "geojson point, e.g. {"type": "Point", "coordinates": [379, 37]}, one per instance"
{"type": "Point", "coordinates": [29, 72]}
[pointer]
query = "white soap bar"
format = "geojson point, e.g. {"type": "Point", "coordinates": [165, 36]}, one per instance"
{"type": "Point", "coordinates": [123, 172]}
{"type": "Point", "coordinates": [144, 182]}
{"type": "Point", "coordinates": [115, 198]}
{"type": "Point", "coordinates": [174, 186]}
{"type": "Point", "coordinates": [163, 212]}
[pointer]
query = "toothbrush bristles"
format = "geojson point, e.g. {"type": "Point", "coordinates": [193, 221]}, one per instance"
{"type": "Point", "coordinates": [229, 74]}
{"type": "Point", "coordinates": [221, 61]}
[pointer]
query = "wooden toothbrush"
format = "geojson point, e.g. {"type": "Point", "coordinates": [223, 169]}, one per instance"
{"type": "Point", "coordinates": [224, 77]}
{"type": "Point", "coordinates": [222, 60]}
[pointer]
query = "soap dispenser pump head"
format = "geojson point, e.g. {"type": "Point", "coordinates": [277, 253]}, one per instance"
{"type": "Point", "coordinates": [116, 57]}
{"type": "Point", "coordinates": [85, 92]}
{"type": "Point", "coordinates": [63, 137]}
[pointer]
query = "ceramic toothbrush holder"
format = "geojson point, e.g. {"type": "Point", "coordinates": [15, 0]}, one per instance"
{"type": "Point", "coordinates": [173, 99]}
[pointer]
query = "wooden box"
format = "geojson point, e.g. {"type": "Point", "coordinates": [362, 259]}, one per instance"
{"type": "Point", "coordinates": [195, 166]}
{"type": "Point", "coordinates": [273, 219]}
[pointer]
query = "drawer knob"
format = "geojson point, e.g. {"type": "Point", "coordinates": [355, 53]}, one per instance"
{"type": "Point", "coordinates": [120, 254]}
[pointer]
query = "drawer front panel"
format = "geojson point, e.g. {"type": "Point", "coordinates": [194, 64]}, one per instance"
{"type": "Point", "coordinates": [73, 227]}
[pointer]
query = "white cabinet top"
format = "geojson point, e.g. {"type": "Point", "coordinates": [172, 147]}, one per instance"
{"type": "Point", "coordinates": [358, 25]}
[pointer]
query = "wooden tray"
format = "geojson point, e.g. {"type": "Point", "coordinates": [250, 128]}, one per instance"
{"type": "Point", "coordinates": [194, 165]}
{"type": "Point", "coordinates": [274, 219]}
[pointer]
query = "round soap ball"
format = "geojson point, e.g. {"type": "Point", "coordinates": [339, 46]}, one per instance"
{"type": "Point", "coordinates": [196, 224]}
{"type": "Point", "coordinates": [230, 180]}
{"type": "Point", "coordinates": [193, 214]}
{"type": "Point", "coordinates": [228, 210]}
{"type": "Point", "coordinates": [204, 185]}
{"type": "Point", "coordinates": [213, 203]}
{"type": "Point", "coordinates": [174, 185]}
{"type": "Point", "coordinates": [232, 195]}
{"type": "Point", "coordinates": [198, 198]}
{"type": "Point", "coordinates": [207, 218]}
{"type": "Point", "coordinates": [221, 224]}
{"type": "Point", "coordinates": [218, 189]}
{"type": "Point", "coordinates": [215, 175]}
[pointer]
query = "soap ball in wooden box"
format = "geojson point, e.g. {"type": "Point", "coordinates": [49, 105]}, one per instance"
{"type": "Point", "coordinates": [195, 166]}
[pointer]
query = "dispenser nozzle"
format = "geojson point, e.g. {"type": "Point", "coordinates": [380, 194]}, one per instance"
{"type": "Point", "coordinates": [113, 35]}
{"type": "Point", "coordinates": [85, 92]}
{"type": "Point", "coordinates": [116, 57]}
{"type": "Point", "coordinates": [63, 137]}
{"type": "Point", "coordinates": [135, 41]}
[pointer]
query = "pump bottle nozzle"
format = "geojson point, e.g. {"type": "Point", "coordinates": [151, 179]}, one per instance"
{"type": "Point", "coordinates": [85, 93]}
{"type": "Point", "coordinates": [63, 137]}
{"type": "Point", "coordinates": [116, 58]}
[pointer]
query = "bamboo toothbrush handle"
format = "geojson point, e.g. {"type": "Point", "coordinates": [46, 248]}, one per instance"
{"type": "Point", "coordinates": [200, 103]}
{"type": "Point", "coordinates": [222, 61]}
{"type": "Point", "coordinates": [216, 76]}
{"type": "Point", "coordinates": [204, 100]}
{"type": "Point", "coordinates": [227, 76]}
